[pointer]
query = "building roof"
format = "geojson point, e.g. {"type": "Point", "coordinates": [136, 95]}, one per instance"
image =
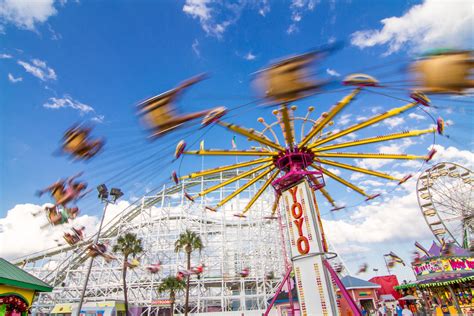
{"type": "Point", "coordinates": [387, 297]}
{"type": "Point", "coordinates": [13, 276]}
{"type": "Point", "coordinates": [351, 282]}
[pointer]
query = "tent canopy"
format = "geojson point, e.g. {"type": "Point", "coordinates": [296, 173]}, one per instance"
{"type": "Point", "coordinates": [407, 298]}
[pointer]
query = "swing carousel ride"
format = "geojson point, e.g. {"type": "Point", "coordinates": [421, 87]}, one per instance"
{"type": "Point", "coordinates": [309, 152]}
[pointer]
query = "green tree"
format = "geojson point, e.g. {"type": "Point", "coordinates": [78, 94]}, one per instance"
{"type": "Point", "coordinates": [188, 242]}
{"type": "Point", "coordinates": [172, 285]}
{"type": "Point", "coordinates": [128, 245]}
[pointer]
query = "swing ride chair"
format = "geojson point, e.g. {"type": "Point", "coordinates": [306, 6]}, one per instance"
{"type": "Point", "coordinates": [161, 116]}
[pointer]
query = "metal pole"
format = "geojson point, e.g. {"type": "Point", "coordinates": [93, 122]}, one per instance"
{"type": "Point", "coordinates": [91, 261]}
{"type": "Point", "coordinates": [455, 300]}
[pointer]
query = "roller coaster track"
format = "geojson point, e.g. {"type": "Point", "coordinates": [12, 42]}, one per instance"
{"type": "Point", "coordinates": [110, 229]}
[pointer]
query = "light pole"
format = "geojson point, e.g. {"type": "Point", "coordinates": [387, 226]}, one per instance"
{"type": "Point", "coordinates": [104, 197]}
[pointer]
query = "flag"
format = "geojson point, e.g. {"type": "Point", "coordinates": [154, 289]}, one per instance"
{"type": "Point", "coordinates": [201, 145]}
{"type": "Point", "coordinates": [422, 249]}
{"type": "Point", "coordinates": [234, 144]}
{"type": "Point", "coordinates": [395, 258]}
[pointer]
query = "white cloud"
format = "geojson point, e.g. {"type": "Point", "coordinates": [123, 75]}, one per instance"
{"type": "Point", "coordinates": [361, 118]}
{"type": "Point", "coordinates": [416, 116]}
{"type": "Point", "coordinates": [433, 23]}
{"type": "Point", "coordinates": [398, 147]}
{"type": "Point", "coordinates": [5, 56]}
{"type": "Point", "coordinates": [351, 136]}
{"type": "Point", "coordinates": [25, 14]}
{"type": "Point", "coordinates": [30, 238]}
{"type": "Point", "coordinates": [298, 8]}
{"type": "Point", "coordinates": [292, 29]}
{"type": "Point", "coordinates": [13, 79]}
{"type": "Point", "coordinates": [453, 154]}
{"type": "Point", "coordinates": [345, 119]}
{"type": "Point", "coordinates": [39, 69]}
{"type": "Point", "coordinates": [214, 16]}
{"type": "Point", "coordinates": [249, 56]}
{"type": "Point", "coordinates": [372, 164]}
{"type": "Point", "coordinates": [264, 7]}
{"type": "Point", "coordinates": [376, 109]}
{"type": "Point", "coordinates": [195, 47]}
{"type": "Point", "coordinates": [394, 218]}
{"type": "Point", "coordinates": [357, 176]}
{"type": "Point", "coordinates": [372, 183]}
{"type": "Point", "coordinates": [68, 102]}
{"type": "Point", "coordinates": [398, 218]}
{"type": "Point", "coordinates": [411, 164]}
{"type": "Point", "coordinates": [332, 72]}
{"type": "Point", "coordinates": [392, 122]}
{"type": "Point", "coordinates": [337, 172]}
{"type": "Point", "coordinates": [351, 248]}
{"type": "Point", "coordinates": [98, 119]}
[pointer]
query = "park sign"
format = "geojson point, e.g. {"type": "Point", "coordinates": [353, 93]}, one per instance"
{"type": "Point", "coordinates": [443, 265]}
{"type": "Point", "coordinates": [162, 302]}
{"type": "Point", "coordinates": [307, 244]}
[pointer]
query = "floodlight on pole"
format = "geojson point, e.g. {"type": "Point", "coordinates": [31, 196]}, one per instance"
{"type": "Point", "coordinates": [103, 191]}
{"type": "Point", "coordinates": [116, 194]}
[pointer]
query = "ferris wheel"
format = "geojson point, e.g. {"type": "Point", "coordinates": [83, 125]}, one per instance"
{"type": "Point", "coordinates": [445, 196]}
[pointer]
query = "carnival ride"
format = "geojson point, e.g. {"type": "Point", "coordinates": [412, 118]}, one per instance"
{"type": "Point", "coordinates": [231, 245]}
{"type": "Point", "coordinates": [284, 162]}
{"type": "Point", "coordinates": [445, 196]}
{"type": "Point", "coordinates": [306, 159]}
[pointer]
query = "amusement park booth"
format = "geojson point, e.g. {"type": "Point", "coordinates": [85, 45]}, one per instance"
{"type": "Point", "coordinates": [18, 289]}
{"type": "Point", "coordinates": [363, 293]}
{"type": "Point", "coordinates": [444, 282]}
{"type": "Point", "coordinates": [105, 308]}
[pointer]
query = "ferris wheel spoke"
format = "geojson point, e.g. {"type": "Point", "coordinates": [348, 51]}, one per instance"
{"type": "Point", "coordinates": [332, 113]}
{"type": "Point", "coordinates": [445, 184]}
{"type": "Point", "coordinates": [222, 152]}
{"type": "Point", "coordinates": [286, 126]}
{"type": "Point", "coordinates": [450, 209]}
{"type": "Point", "coordinates": [225, 168]}
{"type": "Point", "coordinates": [260, 192]}
{"type": "Point", "coordinates": [231, 180]}
{"type": "Point", "coordinates": [448, 201]}
{"type": "Point", "coordinates": [245, 186]}
{"type": "Point", "coordinates": [448, 193]}
{"type": "Point", "coordinates": [358, 169]}
{"type": "Point", "coordinates": [375, 139]}
{"type": "Point", "coordinates": [369, 155]}
{"type": "Point", "coordinates": [368, 122]}
{"type": "Point", "coordinates": [250, 134]}
{"type": "Point", "coordinates": [341, 180]}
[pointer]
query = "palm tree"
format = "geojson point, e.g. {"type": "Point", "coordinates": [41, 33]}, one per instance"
{"type": "Point", "coordinates": [172, 285]}
{"type": "Point", "coordinates": [188, 241]}
{"type": "Point", "coordinates": [128, 245]}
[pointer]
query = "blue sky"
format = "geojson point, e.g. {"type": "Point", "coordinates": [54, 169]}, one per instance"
{"type": "Point", "coordinates": [66, 62]}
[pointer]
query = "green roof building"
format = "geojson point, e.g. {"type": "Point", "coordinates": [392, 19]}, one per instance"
{"type": "Point", "coordinates": [18, 289]}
